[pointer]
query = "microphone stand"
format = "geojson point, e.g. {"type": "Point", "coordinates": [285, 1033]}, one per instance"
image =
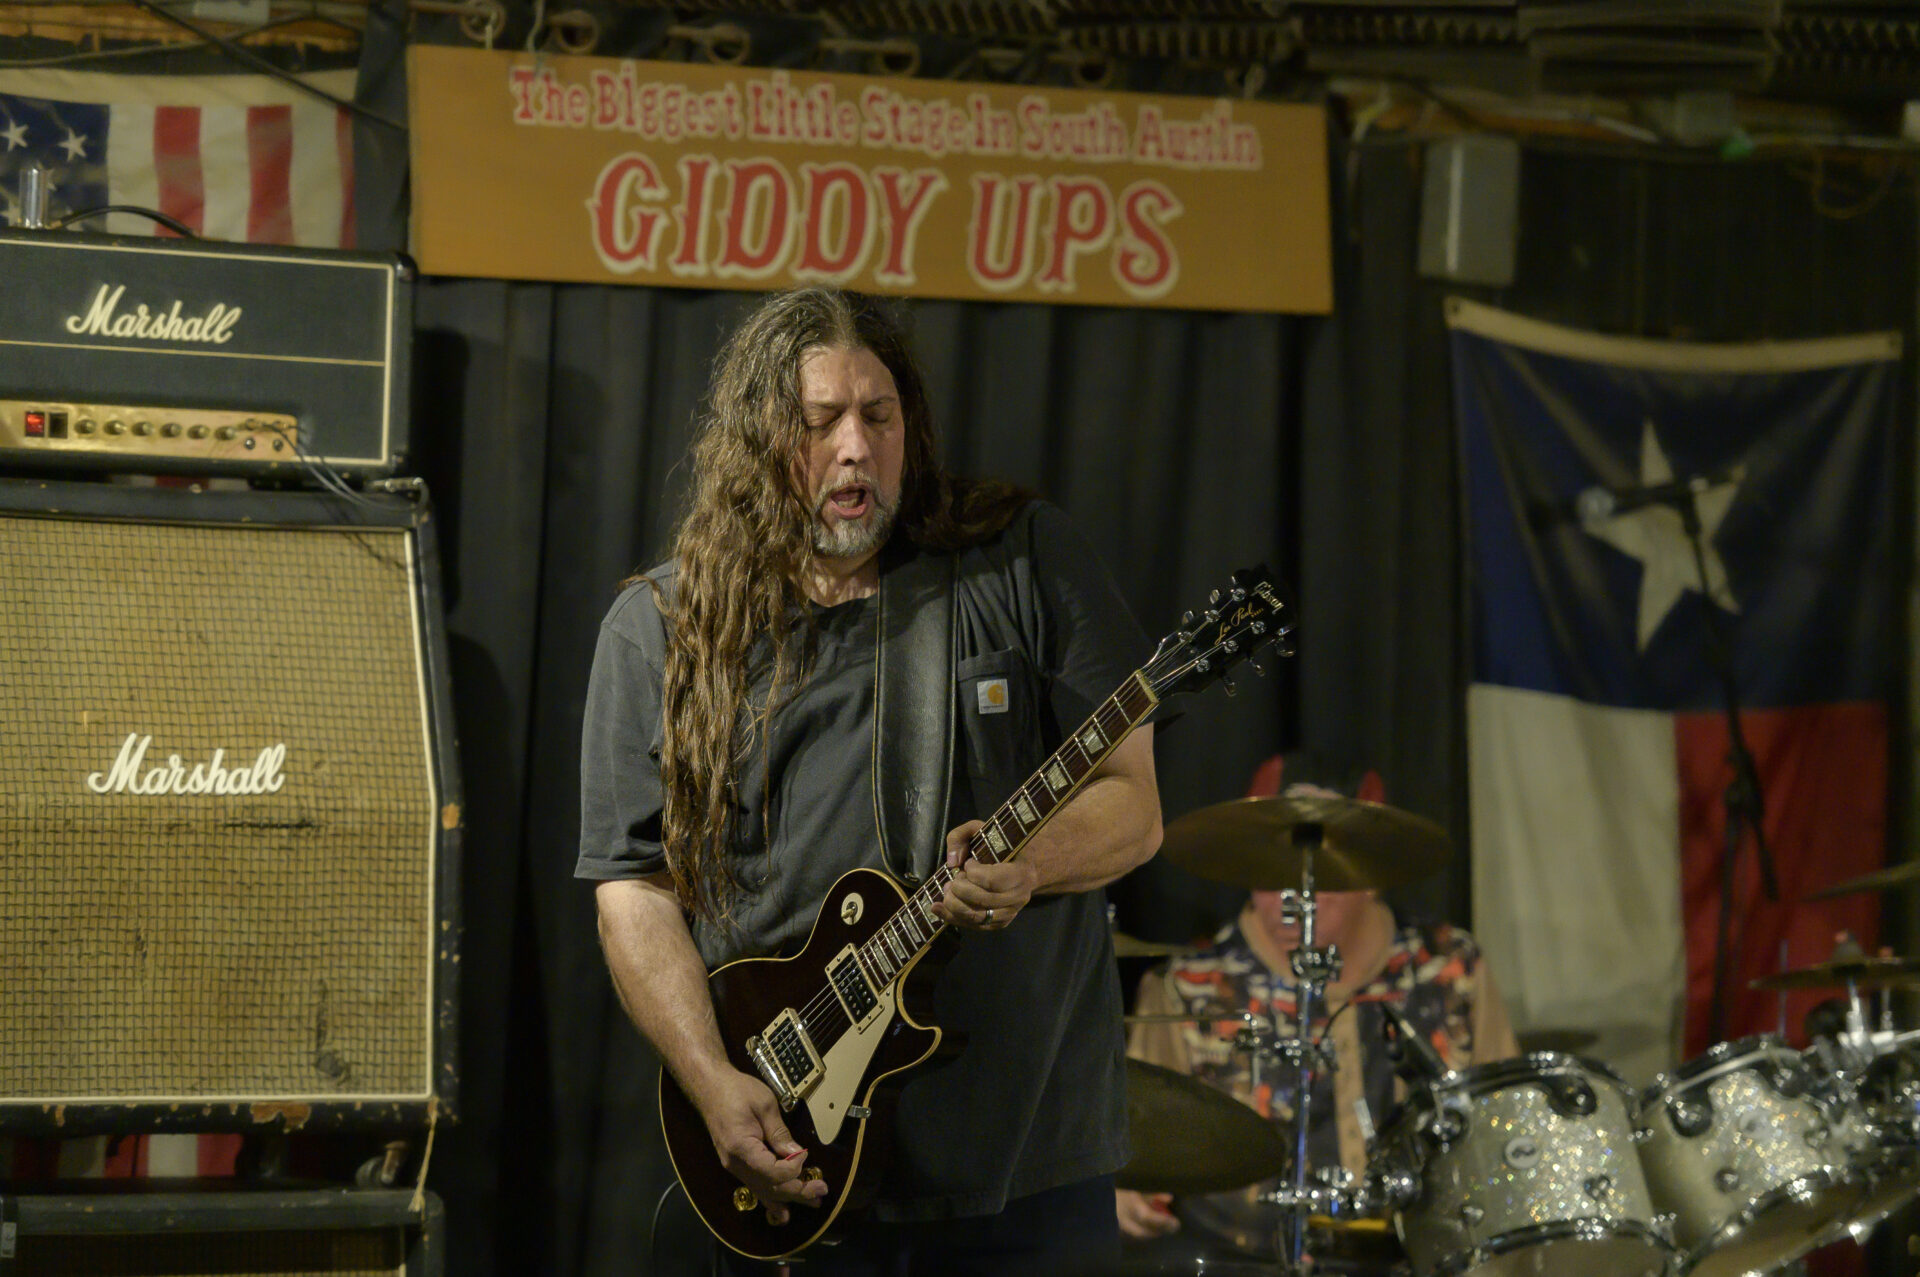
{"type": "Point", "coordinates": [1742, 800]}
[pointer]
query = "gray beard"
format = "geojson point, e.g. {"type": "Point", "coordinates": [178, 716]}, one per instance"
{"type": "Point", "coordinates": [853, 540]}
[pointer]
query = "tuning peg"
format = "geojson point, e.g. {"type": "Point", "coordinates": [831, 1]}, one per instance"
{"type": "Point", "coordinates": [1214, 597]}
{"type": "Point", "coordinates": [1258, 668]}
{"type": "Point", "coordinates": [1186, 619]}
{"type": "Point", "coordinates": [1227, 683]}
{"type": "Point", "coordinates": [1238, 594]}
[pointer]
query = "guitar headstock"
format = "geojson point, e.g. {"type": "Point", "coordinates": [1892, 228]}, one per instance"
{"type": "Point", "coordinates": [1238, 622]}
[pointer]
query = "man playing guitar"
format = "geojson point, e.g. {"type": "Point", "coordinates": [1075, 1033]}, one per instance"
{"type": "Point", "coordinates": [730, 758]}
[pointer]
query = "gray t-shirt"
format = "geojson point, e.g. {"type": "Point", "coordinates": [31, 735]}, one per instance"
{"type": "Point", "coordinates": [1036, 1097]}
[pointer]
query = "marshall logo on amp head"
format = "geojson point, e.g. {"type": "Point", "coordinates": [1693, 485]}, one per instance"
{"type": "Point", "coordinates": [175, 777]}
{"type": "Point", "coordinates": [215, 326]}
{"type": "Point", "coordinates": [166, 356]}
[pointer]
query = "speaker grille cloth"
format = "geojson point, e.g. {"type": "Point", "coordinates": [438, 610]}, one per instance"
{"type": "Point", "coordinates": [212, 945]}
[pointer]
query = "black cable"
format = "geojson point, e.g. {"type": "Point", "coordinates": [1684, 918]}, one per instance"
{"type": "Point", "coordinates": [178, 227]}
{"type": "Point", "coordinates": [249, 58]}
{"type": "Point", "coordinates": [653, 1229]}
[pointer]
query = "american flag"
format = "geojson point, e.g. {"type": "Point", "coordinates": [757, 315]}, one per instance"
{"type": "Point", "coordinates": [244, 158]}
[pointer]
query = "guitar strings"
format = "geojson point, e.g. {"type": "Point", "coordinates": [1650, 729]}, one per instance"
{"type": "Point", "coordinates": [823, 1027]}
{"type": "Point", "coordinates": [816, 1016]}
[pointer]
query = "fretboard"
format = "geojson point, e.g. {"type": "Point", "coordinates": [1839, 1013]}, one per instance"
{"type": "Point", "coordinates": [1007, 832]}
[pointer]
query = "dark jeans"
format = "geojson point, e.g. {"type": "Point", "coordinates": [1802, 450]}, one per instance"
{"type": "Point", "coordinates": [1070, 1231]}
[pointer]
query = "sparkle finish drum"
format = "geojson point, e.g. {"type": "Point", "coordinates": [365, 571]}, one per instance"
{"type": "Point", "coordinates": [1753, 1167]}
{"type": "Point", "coordinates": [1525, 1168]}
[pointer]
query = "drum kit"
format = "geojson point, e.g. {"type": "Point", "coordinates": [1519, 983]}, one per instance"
{"type": "Point", "coordinates": [1740, 1161]}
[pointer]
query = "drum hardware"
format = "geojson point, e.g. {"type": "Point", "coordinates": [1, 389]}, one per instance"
{"type": "Point", "coordinates": [1320, 843]}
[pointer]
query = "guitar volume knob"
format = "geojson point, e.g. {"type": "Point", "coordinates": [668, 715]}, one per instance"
{"type": "Point", "coordinates": [743, 1199]}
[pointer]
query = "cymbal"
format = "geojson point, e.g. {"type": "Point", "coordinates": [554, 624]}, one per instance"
{"type": "Point", "coordinates": [1126, 946]}
{"type": "Point", "coordinates": [1879, 880]}
{"type": "Point", "coordinates": [1259, 842]}
{"type": "Point", "coordinates": [1861, 973]}
{"type": "Point", "coordinates": [1189, 1137]}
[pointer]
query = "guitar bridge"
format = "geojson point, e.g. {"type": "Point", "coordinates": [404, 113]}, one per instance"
{"type": "Point", "coordinates": [786, 1059]}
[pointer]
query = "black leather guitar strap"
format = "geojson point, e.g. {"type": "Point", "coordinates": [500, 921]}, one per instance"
{"type": "Point", "coordinates": [913, 712]}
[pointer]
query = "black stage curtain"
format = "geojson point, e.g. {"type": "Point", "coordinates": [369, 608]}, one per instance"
{"type": "Point", "coordinates": [551, 427]}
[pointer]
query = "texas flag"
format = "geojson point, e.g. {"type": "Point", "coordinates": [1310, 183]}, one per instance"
{"type": "Point", "coordinates": [245, 158]}
{"type": "Point", "coordinates": [1609, 644]}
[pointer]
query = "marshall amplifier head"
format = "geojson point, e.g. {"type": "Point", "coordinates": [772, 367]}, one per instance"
{"type": "Point", "coordinates": [193, 357]}
{"type": "Point", "coordinates": [229, 811]}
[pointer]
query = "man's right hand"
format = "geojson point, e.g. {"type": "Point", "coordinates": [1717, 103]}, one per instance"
{"type": "Point", "coordinates": [1144, 1215]}
{"type": "Point", "coordinates": [754, 1144]}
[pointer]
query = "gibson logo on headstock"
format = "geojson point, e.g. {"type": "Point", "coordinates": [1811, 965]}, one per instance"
{"type": "Point", "coordinates": [105, 319]}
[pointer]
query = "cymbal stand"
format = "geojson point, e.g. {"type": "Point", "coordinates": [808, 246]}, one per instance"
{"type": "Point", "coordinates": [1314, 967]}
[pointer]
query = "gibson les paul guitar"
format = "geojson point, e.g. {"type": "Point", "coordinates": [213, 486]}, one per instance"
{"type": "Point", "coordinates": [829, 1030]}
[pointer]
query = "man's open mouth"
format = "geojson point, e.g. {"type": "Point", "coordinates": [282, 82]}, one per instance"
{"type": "Point", "coordinates": [849, 502]}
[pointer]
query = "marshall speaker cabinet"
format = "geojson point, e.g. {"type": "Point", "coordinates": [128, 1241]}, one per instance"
{"type": "Point", "coordinates": [190, 357]}
{"type": "Point", "coordinates": [229, 816]}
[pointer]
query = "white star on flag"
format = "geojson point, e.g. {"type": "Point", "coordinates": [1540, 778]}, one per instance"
{"type": "Point", "coordinates": [1657, 536]}
{"type": "Point", "coordinates": [75, 145]}
{"type": "Point", "coordinates": [15, 134]}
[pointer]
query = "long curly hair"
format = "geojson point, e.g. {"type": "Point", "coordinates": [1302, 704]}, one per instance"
{"type": "Point", "coordinates": [745, 543]}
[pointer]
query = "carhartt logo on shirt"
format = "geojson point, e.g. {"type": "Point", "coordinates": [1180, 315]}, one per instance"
{"type": "Point", "coordinates": [992, 693]}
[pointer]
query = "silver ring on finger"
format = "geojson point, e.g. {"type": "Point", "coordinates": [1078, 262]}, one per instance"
{"type": "Point", "coordinates": [989, 917]}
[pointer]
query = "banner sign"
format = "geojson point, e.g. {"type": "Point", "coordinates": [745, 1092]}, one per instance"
{"type": "Point", "coordinates": [601, 170]}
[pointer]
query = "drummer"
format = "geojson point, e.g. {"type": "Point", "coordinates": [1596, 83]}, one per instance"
{"type": "Point", "coordinates": [1434, 974]}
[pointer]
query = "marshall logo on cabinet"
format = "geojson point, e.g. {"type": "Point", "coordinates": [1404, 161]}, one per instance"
{"type": "Point", "coordinates": [172, 777]}
{"type": "Point", "coordinates": [228, 809]}
{"type": "Point", "coordinates": [193, 357]}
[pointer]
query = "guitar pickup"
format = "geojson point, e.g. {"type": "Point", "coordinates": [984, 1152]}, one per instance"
{"type": "Point", "coordinates": [849, 984]}
{"type": "Point", "coordinates": [786, 1059]}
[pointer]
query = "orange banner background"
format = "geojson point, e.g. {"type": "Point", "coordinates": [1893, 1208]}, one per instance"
{"type": "Point", "coordinates": [602, 170]}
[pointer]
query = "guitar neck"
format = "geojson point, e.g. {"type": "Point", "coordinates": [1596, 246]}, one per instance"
{"type": "Point", "coordinates": [1012, 826]}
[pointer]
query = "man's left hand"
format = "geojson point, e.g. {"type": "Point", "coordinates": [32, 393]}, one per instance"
{"type": "Point", "coordinates": [982, 896]}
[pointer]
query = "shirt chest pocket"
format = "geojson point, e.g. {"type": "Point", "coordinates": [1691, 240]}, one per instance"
{"type": "Point", "coordinates": [999, 717]}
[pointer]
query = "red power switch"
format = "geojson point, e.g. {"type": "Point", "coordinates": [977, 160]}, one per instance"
{"type": "Point", "coordinates": [36, 423]}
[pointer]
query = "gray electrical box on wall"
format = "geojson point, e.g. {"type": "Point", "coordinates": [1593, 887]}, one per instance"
{"type": "Point", "coordinates": [1469, 210]}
